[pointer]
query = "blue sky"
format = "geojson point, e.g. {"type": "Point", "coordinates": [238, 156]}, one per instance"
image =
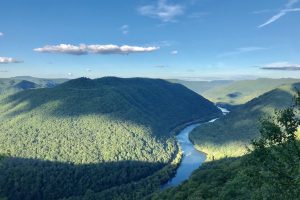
{"type": "Point", "coordinates": [191, 39]}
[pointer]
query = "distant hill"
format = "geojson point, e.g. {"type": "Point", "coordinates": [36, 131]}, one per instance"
{"type": "Point", "coordinates": [229, 134]}
{"type": "Point", "coordinates": [229, 93]}
{"type": "Point", "coordinates": [20, 83]}
{"type": "Point", "coordinates": [240, 92]}
{"type": "Point", "coordinates": [201, 87]}
{"type": "Point", "coordinates": [84, 137]}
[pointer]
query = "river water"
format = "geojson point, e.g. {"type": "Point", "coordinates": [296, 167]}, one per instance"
{"type": "Point", "coordinates": [192, 158]}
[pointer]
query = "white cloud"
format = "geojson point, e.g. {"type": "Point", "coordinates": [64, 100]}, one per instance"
{"type": "Point", "coordinates": [88, 69]}
{"type": "Point", "coordinates": [1, 34]}
{"type": "Point", "coordinates": [162, 10]}
{"type": "Point", "coordinates": [174, 52]}
{"type": "Point", "coordinates": [241, 50]}
{"type": "Point", "coordinates": [281, 66]}
{"type": "Point", "coordinates": [6, 60]}
{"type": "Point", "coordinates": [125, 29]}
{"type": "Point", "coordinates": [287, 9]}
{"type": "Point", "coordinates": [70, 74]}
{"type": "Point", "coordinates": [94, 48]}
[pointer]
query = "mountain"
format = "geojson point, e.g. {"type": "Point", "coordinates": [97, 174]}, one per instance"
{"type": "Point", "coordinates": [228, 135]}
{"type": "Point", "coordinates": [85, 138]}
{"type": "Point", "coordinates": [264, 174]}
{"type": "Point", "coordinates": [240, 92]}
{"type": "Point", "coordinates": [201, 87]}
{"type": "Point", "coordinates": [20, 83]}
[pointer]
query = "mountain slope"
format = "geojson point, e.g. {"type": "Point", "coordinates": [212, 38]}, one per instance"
{"type": "Point", "coordinates": [20, 83]}
{"type": "Point", "coordinates": [240, 92]}
{"type": "Point", "coordinates": [91, 135]}
{"type": "Point", "coordinates": [228, 135]}
{"type": "Point", "coordinates": [201, 87]}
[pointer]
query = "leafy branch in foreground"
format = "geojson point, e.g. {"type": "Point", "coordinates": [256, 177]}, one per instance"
{"type": "Point", "coordinates": [276, 156]}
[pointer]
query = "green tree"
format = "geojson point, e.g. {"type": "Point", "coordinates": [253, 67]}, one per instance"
{"type": "Point", "coordinates": [276, 156]}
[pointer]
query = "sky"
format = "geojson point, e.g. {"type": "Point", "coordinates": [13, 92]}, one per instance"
{"type": "Point", "coordinates": [187, 39]}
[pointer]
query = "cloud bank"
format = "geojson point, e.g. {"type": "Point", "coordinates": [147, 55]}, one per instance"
{"type": "Point", "coordinates": [94, 48]}
{"type": "Point", "coordinates": [281, 66]}
{"type": "Point", "coordinates": [287, 9]}
{"type": "Point", "coordinates": [162, 10]}
{"type": "Point", "coordinates": [6, 60]}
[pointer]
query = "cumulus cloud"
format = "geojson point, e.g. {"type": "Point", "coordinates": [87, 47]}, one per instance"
{"type": "Point", "coordinates": [94, 48]}
{"type": "Point", "coordinates": [281, 66]}
{"type": "Point", "coordinates": [287, 9]}
{"type": "Point", "coordinates": [174, 52]}
{"type": "Point", "coordinates": [70, 74]}
{"type": "Point", "coordinates": [164, 11]}
{"type": "Point", "coordinates": [1, 34]}
{"type": "Point", "coordinates": [241, 50]}
{"type": "Point", "coordinates": [6, 60]}
{"type": "Point", "coordinates": [125, 29]}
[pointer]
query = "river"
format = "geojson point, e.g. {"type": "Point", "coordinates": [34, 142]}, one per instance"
{"type": "Point", "coordinates": [192, 158]}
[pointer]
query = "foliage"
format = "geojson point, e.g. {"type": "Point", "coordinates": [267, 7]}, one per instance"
{"type": "Point", "coordinates": [20, 83]}
{"type": "Point", "coordinates": [229, 135]}
{"type": "Point", "coordinates": [270, 171]}
{"type": "Point", "coordinates": [85, 137]}
{"type": "Point", "coordinates": [240, 92]}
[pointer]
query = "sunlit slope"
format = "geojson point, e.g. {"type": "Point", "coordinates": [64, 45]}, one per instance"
{"type": "Point", "coordinates": [228, 135]}
{"type": "Point", "coordinates": [240, 92]}
{"type": "Point", "coordinates": [91, 134]}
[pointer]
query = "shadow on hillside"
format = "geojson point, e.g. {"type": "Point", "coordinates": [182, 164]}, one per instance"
{"type": "Point", "coordinates": [242, 124]}
{"type": "Point", "coordinates": [22, 178]}
{"type": "Point", "coordinates": [141, 101]}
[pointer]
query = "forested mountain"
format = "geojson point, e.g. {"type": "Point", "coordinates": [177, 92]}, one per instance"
{"type": "Point", "coordinates": [201, 87]}
{"type": "Point", "coordinates": [229, 135]}
{"type": "Point", "coordinates": [269, 171]}
{"type": "Point", "coordinates": [240, 92]}
{"type": "Point", "coordinates": [235, 92]}
{"type": "Point", "coordinates": [20, 83]}
{"type": "Point", "coordinates": [99, 138]}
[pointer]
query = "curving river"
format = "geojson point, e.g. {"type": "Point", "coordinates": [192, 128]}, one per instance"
{"type": "Point", "coordinates": [192, 158]}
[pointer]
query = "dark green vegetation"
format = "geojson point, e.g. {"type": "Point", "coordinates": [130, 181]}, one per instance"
{"type": "Point", "coordinates": [235, 92]}
{"type": "Point", "coordinates": [270, 171]}
{"type": "Point", "coordinates": [20, 83]}
{"type": "Point", "coordinates": [94, 138]}
{"type": "Point", "coordinates": [229, 135]}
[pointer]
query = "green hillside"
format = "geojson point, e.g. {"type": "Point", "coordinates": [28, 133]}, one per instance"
{"type": "Point", "coordinates": [20, 83]}
{"type": "Point", "coordinates": [228, 135]}
{"type": "Point", "coordinates": [269, 171]}
{"type": "Point", "coordinates": [240, 92]}
{"type": "Point", "coordinates": [85, 137]}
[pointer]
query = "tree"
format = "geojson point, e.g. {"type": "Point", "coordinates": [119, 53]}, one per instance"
{"type": "Point", "coordinates": [276, 156]}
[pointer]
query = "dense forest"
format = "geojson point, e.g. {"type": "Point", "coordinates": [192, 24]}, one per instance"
{"type": "Point", "coordinates": [229, 135]}
{"type": "Point", "coordinates": [232, 93]}
{"type": "Point", "coordinates": [269, 171]}
{"type": "Point", "coordinates": [20, 83]}
{"type": "Point", "coordinates": [90, 138]}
